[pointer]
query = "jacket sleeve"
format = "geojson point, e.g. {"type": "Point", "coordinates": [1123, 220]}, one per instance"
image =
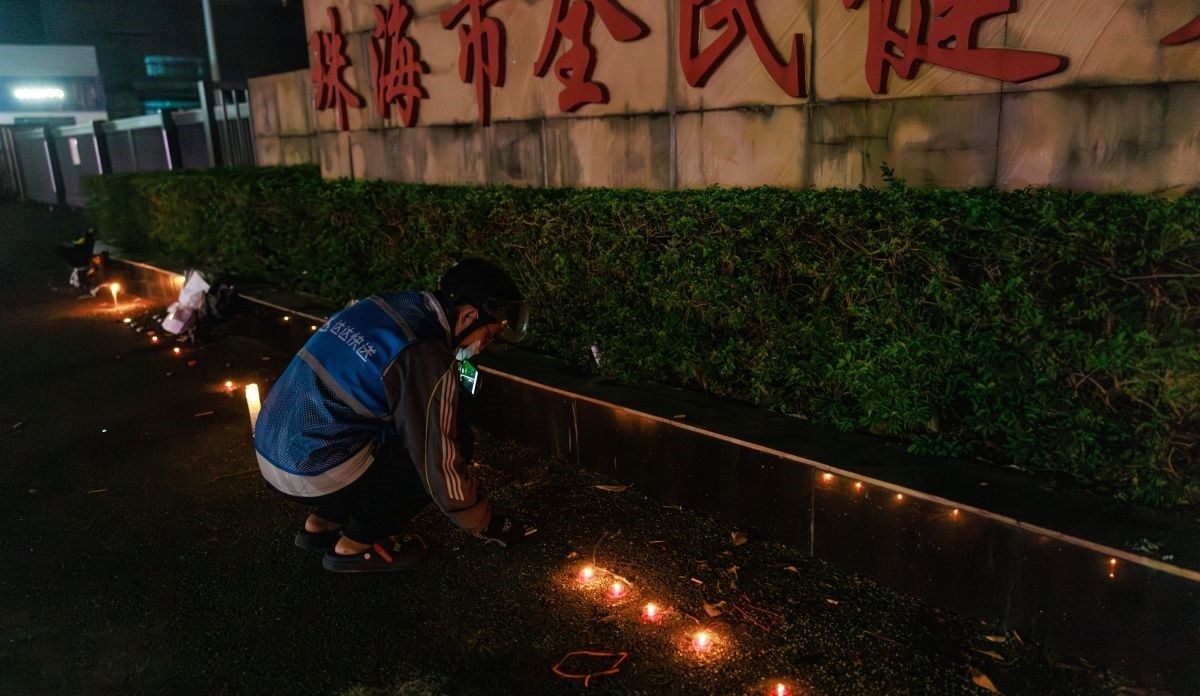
{"type": "Point", "coordinates": [426, 415]}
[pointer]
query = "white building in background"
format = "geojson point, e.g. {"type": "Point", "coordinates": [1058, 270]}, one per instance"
{"type": "Point", "coordinates": [50, 85]}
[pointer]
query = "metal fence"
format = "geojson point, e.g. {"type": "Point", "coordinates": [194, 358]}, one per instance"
{"type": "Point", "coordinates": [48, 164]}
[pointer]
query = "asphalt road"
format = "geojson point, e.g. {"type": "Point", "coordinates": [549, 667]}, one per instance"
{"type": "Point", "coordinates": [142, 554]}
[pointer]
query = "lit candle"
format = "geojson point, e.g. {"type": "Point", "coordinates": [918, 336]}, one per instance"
{"type": "Point", "coordinates": [228, 386]}
{"type": "Point", "coordinates": [616, 591]}
{"type": "Point", "coordinates": [286, 318]}
{"type": "Point", "coordinates": [650, 612]}
{"type": "Point", "coordinates": [857, 486]}
{"type": "Point", "coordinates": [1112, 567]}
{"type": "Point", "coordinates": [587, 574]}
{"type": "Point", "coordinates": [252, 403]}
{"type": "Point", "coordinates": [954, 513]}
{"type": "Point", "coordinates": [899, 497]}
{"type": "Point", "coordinates": [154, 339]}
{"type": "Point", "coordinates": [115, 288]}
{"type": "Point", "coordinates": [827, 477]}
{"type": "Point", "coordinates": [177, 350]}
{"type": "Point", "coordinates": [781, 689]}
{"type": "Point", "coordinates": [702, 641]}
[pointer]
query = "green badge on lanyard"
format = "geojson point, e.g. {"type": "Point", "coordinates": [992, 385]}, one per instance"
{"type": "Point", "coordinates": [468, 376]}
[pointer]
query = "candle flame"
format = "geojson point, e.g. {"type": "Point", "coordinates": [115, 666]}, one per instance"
{"type": "Point", "coordinates": [651, 611]}
{"type": "Point", "coordinates": [617, 589]}
{"type": "Point", "coordinates": [176, 350]}
{"type": "Point", "coordinates": [899, 496]}
{"type": "Point", "coordinates": [154, 339]}
{"type": "Point", "coordinates": [781, 689]}
{"type": "Point", "coordinates": [587, 573]}
{"type": "Point", "coordinates": [115, 288]}
{"type": "Point", "coordinates": [826, 477]}
{"type": "Point", "coordinates": [702, 640]}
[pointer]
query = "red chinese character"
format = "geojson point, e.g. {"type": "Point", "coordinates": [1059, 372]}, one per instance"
{"type": "Point", "coordinates": [574, 67]}
{"type": "Point", "coordinates": [1186, 33]}
{"type": "Point", "coordinates": [329, 60]}
{"type": "Point", "coordinates": [481, 50]}
{"type": "Point", "coordinates": [737, 17]}
{"type": "Point", "coordinates": [946, 37]}
{"type": "Point", "coordinates": [396, 63]}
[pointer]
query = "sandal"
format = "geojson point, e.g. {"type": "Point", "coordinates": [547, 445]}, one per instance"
{"type": "Point", "coordinates": [318, 541]}
{"type": "Point", "coordinates": [390, 553]}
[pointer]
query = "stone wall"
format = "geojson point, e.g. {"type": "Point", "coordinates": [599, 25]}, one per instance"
{"type": "Point", "coordinates": [1124, 114]}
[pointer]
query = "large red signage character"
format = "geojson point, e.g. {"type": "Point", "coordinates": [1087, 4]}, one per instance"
{"type": "Point", "coordinates": [1186, 33]}
{"type": "Point", "coordinates": [396, 63]}
{"type": "Point", "coordinates": [736, 17]}
{"type": "Point", "coordinates": [572, 20]}
{"type": "Point", "coordinates": [481, 50]}
{"type": "Point", "coordinates": [329, 60]}
{"type": "Point", "coordinates": [946, 37]}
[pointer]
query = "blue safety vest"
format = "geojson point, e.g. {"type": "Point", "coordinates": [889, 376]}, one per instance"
{"type": "Point", "coordinates": [332, 401]}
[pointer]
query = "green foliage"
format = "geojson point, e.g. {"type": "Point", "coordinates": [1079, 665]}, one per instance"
{"type": "Point", "coordinates": [1052, 330]}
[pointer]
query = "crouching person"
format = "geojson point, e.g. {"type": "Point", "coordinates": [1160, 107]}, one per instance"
{"type": "Point", "coordinates": [365, 425]}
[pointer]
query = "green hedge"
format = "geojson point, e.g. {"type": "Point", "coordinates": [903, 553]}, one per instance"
{"type": "Point", "coordinates": [1049, 330]}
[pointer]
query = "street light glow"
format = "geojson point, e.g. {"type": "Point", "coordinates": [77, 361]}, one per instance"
{"type": "Point", "coordinates": [39, 93]}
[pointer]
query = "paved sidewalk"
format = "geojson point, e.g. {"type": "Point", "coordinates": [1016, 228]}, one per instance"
{"type": "Point", "coordinates": [144, 556]}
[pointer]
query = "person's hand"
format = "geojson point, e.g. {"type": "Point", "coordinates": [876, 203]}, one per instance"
{"type": "Point", "coordinates": [506, 530]}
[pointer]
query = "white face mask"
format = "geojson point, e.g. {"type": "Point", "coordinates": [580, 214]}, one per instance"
{"type": "Point", "coordinates": [468, 352]}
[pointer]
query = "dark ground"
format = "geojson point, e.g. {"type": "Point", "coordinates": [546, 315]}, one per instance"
{"type": "Point", "coordinates": [142, 553]}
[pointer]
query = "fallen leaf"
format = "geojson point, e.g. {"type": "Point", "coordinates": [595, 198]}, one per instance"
{"type": "Point", "coordinates": [981, 680]}
{"type": "Point", "coordinates": [698, 581]}
{"type": "Point", "coordinates": [996, 639]}
{"type": "Point", "coordinates": [739, 538]}
{"type": "Point", "coordinates": [714, 609]}
{"type": "Point", "coordinates": [832, 601]}
{"type": "Point", "coordinates": [573, 554]}
{"type": "Point", "coordinates": [614, 489]}
{"type": "Point", "coordinates": [791, 569]}
{"type": "Point", "coordinates": [990, 653]}
{"type": "Point", "coordinates": [733, 570]}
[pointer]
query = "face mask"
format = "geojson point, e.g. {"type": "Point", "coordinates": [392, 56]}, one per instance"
{"type": "Point", "coordinates": [469, 352]}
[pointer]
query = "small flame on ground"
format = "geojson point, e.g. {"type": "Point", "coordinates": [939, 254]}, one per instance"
{"type": "Point", "coordinates": [781, 689]}
{"type": "Point", "coordinates": [702, 640]}
{"type": "Point", "coordinates": [176, 350]}
{"type": "Point", "coordinates": [154, 339]}
{"type": "Point", "coordinates": [617, 590]}
{"type": "Point", "coordinates": [587, 573]}
{"type": "Point", "coordinates": [115, 288]}
{"type": "Point", "coordinates": [650, 613]}
{"type": "Point", "coordinates": [899, 496]}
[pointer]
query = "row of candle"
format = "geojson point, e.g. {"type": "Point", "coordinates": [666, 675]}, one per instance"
{"type": "Point", "coordinates": [701, 642]}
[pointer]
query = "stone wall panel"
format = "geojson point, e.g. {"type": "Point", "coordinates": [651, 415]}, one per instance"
{"type": "Point", "coordinates": [764, 147]}
{"type": "Point", "coordinates": [515, 153]}
{"type": "Point", "coordinates": [614, 151]}
{"type": "Point", "coordinates": [933, 141]}
{"type": "Point", "coordinates": [267, 151]}
{"type": "Point", "coordinates": [1140, 138]}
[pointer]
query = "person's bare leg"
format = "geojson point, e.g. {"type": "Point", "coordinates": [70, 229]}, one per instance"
{"type": "Point", "coordinates": [349, 547]}
{"type": "Point", "coordinates": [316, 524]}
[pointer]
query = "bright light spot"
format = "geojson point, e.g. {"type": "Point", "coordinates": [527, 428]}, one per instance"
{"type": "Point", "coordinates": [899, 496]}
{"type": "Point", "coordinates": [781, 689]}
{"type": "Point", "coordinates": [1112, 567]}
{"type": "Point", "coordinates": [702, 640]}
{"type": "Point", "coordinates": [954, 513]}
{"type": "Point", "coordinates": [154, 339]}
{"type": "Point", "coordinates": [313, 327]}
{"type": "Point", "coordinates": [827, 477]}
{"type": "Point", "coordinates": [115, 288]}
{"type": "Point", "coordinates": [587, 574]}
{"type": "Point", "coordinates": [857, 486]}
{"type": "Point", "coordinates": [617, 590]}
{"type": "Point", "coordinates": [650, 613]}
{"type": "Point", "coordinates": [127, 320]}
{"type": "Point", "coordinates": [39, 93]}
{"type": "Point", "coordinates": [252, 403]}
{"type": "Point", "coordinates": [286, 318]}
{"type": "Point", "coordinates": [176, 350]}
{"type": "Point", "coordinates": [104, 430]}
